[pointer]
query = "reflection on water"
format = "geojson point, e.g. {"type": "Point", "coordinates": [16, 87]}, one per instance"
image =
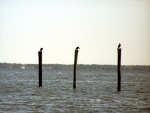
{"type": "Point", "coordinates": [96, 92]}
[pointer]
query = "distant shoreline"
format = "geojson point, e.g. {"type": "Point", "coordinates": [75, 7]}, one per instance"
{"type": "Point", "coordinates": [70, 66]}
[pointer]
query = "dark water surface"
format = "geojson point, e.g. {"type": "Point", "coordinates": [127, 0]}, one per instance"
{"type": "Point", "coordinates": [96, 92]}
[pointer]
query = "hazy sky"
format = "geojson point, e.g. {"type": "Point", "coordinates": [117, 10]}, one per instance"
{"type": "Point", "coordinates": [96, 26]}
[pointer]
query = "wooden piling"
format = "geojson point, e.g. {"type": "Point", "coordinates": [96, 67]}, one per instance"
{"type": "Point", "coordinates": [75, 68]}
{"type": "Point", "coordinates": [119, 70]}
{"type": "Point", "coordinates": [40, 68]}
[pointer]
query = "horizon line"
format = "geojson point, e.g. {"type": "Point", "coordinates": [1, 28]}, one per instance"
{"type": "Point", "coordinates": [73, 64]}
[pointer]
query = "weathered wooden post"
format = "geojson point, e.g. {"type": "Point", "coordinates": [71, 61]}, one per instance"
{"type": "Point", "coordinates": [119, 68]}
{"type": "Point", "coordinates": [40, 67]}
{"type": "Point", "coordinates": [75, 67]}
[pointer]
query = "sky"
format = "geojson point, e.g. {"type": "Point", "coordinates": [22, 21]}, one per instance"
{"type": "Point", "coordinates": [59, 26]}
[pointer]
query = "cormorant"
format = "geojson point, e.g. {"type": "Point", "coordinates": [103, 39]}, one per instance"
{"type": "Point", "coordinates": [119, 45]}
{"type": "Point", "coordinates": [77, 48]}
{"type": "Point", "coordinates": [41, 49]}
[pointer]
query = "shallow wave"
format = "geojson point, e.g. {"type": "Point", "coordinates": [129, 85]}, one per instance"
{"type": "Point", "coordinates": [95, 92]}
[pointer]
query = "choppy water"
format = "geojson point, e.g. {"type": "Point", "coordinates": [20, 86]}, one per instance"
{"type": "Point", "coordinates": [96, 92]}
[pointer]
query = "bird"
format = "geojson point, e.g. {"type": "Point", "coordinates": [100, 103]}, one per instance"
{"type": "Point", "coordinates": [41, 49]}
{"type": "Point", "coordinates": [119, 45]}
{"type": "Point", "coordinates": [77, 48]}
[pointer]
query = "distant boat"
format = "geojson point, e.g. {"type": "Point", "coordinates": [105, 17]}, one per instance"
{"type": "Point", "coordinates": [23, 67]}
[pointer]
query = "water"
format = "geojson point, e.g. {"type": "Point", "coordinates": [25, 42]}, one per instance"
{"type": "Point", "coordinates": [96, 92]}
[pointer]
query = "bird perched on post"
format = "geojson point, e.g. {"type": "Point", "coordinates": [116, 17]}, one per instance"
{"type": "Point", "coordinates": [41, 49]}
{"type": "Point", "coordinates": [77, 48]}
{"type": "Point", "coordinates": [119, 45]}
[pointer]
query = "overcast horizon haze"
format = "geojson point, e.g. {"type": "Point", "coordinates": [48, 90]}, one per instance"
{"type": "Point", "coordinates": [59, 26]}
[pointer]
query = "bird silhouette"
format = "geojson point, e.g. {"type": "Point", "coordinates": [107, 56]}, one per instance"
{"type": "Point", "coordinates": [41, 49]}
{"type": "Point", "coordinates": [119, 45]}
{"type": "Point", "coordinates": [77, 48]}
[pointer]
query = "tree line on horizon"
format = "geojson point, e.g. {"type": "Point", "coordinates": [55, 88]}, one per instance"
{"type": "Point", "coordinates": [70, 66]}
